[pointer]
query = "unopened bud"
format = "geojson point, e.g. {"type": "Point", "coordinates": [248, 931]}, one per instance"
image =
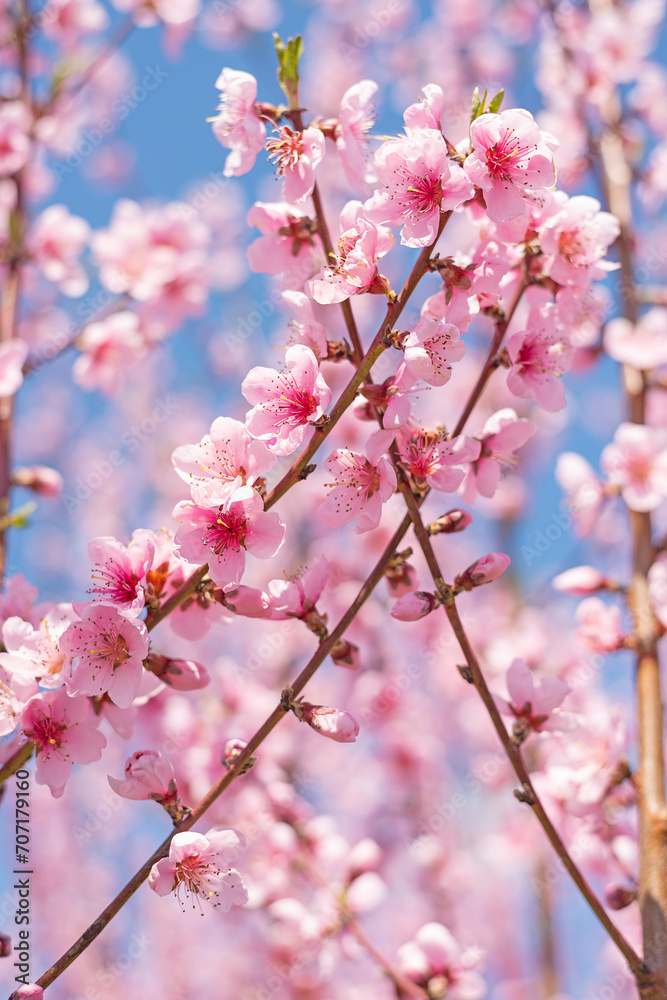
{"type": "Point", "coordinates": [619, 896]}
{"type": "Point", "coordinates": [330, 722]}
{"type": "Point", "coordinates": [345, 654]}
{"type": "Point", "coordinates": [453, 520]}
{"type": "Point", "coordinates": [41, 479]}
{"type": "Point", "coordinates": [580, 580]}
{"type": "Point", "coordinates": [232, 751]}
{"type": "Point", "coordinates": [484, 570]}
{"type": "Point", "coordinates": [412, 607]}
{"type": "Point", "coordinates": [183, 675]}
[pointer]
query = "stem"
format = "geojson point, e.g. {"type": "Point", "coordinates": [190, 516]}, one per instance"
{"type": "Point", "coordinates": [186, 590]}
{"type": "Point", "coordinates": [16, 761]}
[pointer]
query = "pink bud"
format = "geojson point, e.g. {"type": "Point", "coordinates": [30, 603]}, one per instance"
{"type": "Point", "coordinates": [453, 520]}
{"type": "Point", "coordinates": [580, 580]}
{"type": "Point", "coordinates": [41, 479]}
{"type": "Point", "coordinates": [484, 570]}
{"type": "Point", "coordinates": [29, 992]}
{"type": "Point", "coordinates": [183, 675]}
{"type": "Point", "coordinates": [330, 722]}
{"type": "Point", "coordinates": [619, 896]}
{"type": "Point", "coordinates": [148, 775]}
{"type": "Point", "coordinates": [232, 750]}
{"type": "Point", "coordinates": [345, 654]}
{"type": "Point", "coordinates": [412, 607]}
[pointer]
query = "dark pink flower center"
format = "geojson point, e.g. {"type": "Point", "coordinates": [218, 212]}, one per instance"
{"type": "Point", "coordinates": [500, 159]}
{"type": "Point", "coordinates": [46, 734]}
{"type": "Point", "coordinates": [294, 405]}
{"type": "Point", "coordinates": [112, 647]}
{"type": "Point", "coordinates": [286, 149]}
{"type": "Point", "coordinates": [425, 193]}
{"type": "Point", "coordinates": [116, 582]}
{"type": "Point", "coordinates": [227, 532]}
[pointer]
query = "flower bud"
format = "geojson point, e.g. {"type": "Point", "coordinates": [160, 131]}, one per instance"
{"type": "Point", "coordinates": [484, 570]}
{"type": "Point", "coordinates": [412, 607]}
{"type": "Point", "coordinates": [345, 654]}
{"type": "Point", "coordinates": [232, 751]}
{"type": "Point", "coordinates": [330, 722]}
{"type": "Point", "coordinates": [29, 992]}
{"type": "Point", "coordinates": [581, 580]}
{"type": "Point", "coordinates": [41, 479]}
{"type": "Point", "coordinates": [148, 775]}
{"type": "Point", "coordinates": [453, 520]}
{"type": "Point", "coordinates": [619, 896]}
{"type": "Point", "coordinates": [183, 675]}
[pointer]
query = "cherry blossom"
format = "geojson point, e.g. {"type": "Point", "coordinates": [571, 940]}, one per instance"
{"type": "Point", "coordinates": [576, 240]}
{"type": "Point", "coordinates": [510, 155]}
{"type": "Point", "coordinates": [641, 345]}
{"type": "Point", "coordinates": [221, 535]}
{"type": "Point", "coordinates": [532, 704]}
{"type": "Point", "coordinates": [539, 355]}
{"type": "Point", "coordinates": [431, 457]}
{"type": "Point", "coordinates": [296, 596]}
{"type": "Point", "coordinates": [362, 484]}
{"type": "Point", "coordinates": [427, 112]}
{"type": "Point", "coordinates": [354, 269]}
{"type": "Point", "coordinates": [437, 963]}
{"type": "Point", "coordinates": [580, 580]}
{"type": "Point", "coordinates": [502, 434]}
{"type": "Point", "coordinates": [55, 242]}
{"type": "Point", "coordinates": [15, 121]}
{"type": "Point", "coordinates": [288, 244]}
{"type": "Point", "coordinates": [237, 126]}
{"type": "Point", "coordinates": [284, 404]}
{"type": "Point", "coordinates": [108, 348]}
{"type": "Point", "coordinates": [636, 462]}
{"type": "Point", "coordinates": [121, 570]}
{"type": "Point", "coordinates": [148, 775]}
{"type": "Point", "coordinates": [430, 348]}
{"type": "Point", "coordinates": [304, 327]}
{"type": "Point", "coordinates": [13, 354]}
{"type": "Point", "coordinates": [198, 866]}
{"type": "Point", "coordinates": [584, 489]}
{"type": "Point", "coordinates": [355, 119]}
{"type": "Point", "coordinates": [599, 625]}
{"type": "Point", "coordinates": [296, 156]}
{"type": "Point", "coordinates": [35, 652]}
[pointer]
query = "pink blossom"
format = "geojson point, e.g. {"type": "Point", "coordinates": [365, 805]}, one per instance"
{"type": "Point", "coordinates": [148, 775]}
{"type": "Point", "coordinates": [427, 112]}
{"type": "Point", "coordinates": [539, 356]}
{"type": "Point", "coordinates": [510, 155]}
{"type": "Point", "coordinates": [580, 580]}
{"type": "Point", "coordinates": [469, 283]}
{"type": "Point", "coordinates": [431, 457]}
{"type": "Point", "coordinates": [642, 345]}
{"type": "Point", "coordinates": [437, 963]}
{"type": "Point", "coordinates": [296, 156]}
{"type": "Point", "coordinates": [109, 649]}
{"type": "Point", "coordinates": [55, 241]}
{"type": "Point", "coordinates": [354, 269]}
{"type": "Point", "coordinates": [304, 328]}
{"type": "Point", "coordinates": [108, 348]}
{"type": "Point", "coordinates": [120, 571]}
{"type": "Point", "coordinates": [636, 462]}
{"type": "Point", "coordinates": [657, 588]}
{"type": "Point", "coordinates": [64, 732]}
{"type": "Point", "coordinates": [575, 240]}
{"type": "Point", "coordinates": [502, 434]}
{"type": "Point", "coordinates": [237, 126]}
{"type": "Point", "coordinates": [599, 625]}
{"type": "Point", "coordinates": [199, 865]}
{"type": "Point", "coordinates": [355, 119]}
{"type": "Point", "coordinates": [41, 479]}
{"type": "Point", "coordinates": [296, 596]}
{"type": "Point", "coordinates": [584, 490]}
{"type": "Point", "coordinates": [284, 404]}
{"type": "Point", "coordinates": [412, 607]}
{"type": "Point", "coordinates": [13, 354]}
{"type": "Point", "coordinates": [225, 459]}
{"type": "Point", "coordinates": [430, 348]}
{"type": "Point", "coordinates": [35, 652]}
{"type": "Point", "coordinates": [221, 535]}
{"type": "Point", "coordinates": [532, 704]}
{"type": "Point", "coordinates": [391, 397]}
{"type": "Point", "coordinates": [29, 992]}
{"type": "Point", "coordinates": [331, 722]}
{"type": "Point", "coordinates": [288, 244]}
{"type": "Point", "coordinates": [484, 570]}
{"type": "Point", "coordinates": [72, 19]}
{"type": "Point", "coordinates": [15, 122]}
{"type": "Point", "coordinates": [361, 486]}
{"type": "Point", "coordinates": [418, 181]}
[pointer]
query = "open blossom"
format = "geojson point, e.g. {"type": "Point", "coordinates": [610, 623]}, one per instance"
{"type": "Point", "coordinates": [437, 963]}
{"type": "Point", "coordinates": [15, 121]}
{"type": "Point", "coordinates": [355, 119]}
{"type": "Point", "coordinates": [109, 649]}
{"type": "Point", "coordinates": [427, 111]}
{"type": "Point", "coordinates": [199, 866]}
{"type": "Point", "coordinates": [636, 462]}
{"type": "Point", "coordinates": [583, 488]}
{"type": "Point", "coordinates": [532, 703]}
{"type": "Point", "coordinates": [576, 239]}
{"type": "Point", "coordinates": [361, 486]}
{"type": "Point", "coordinates": [55, 241]}
{"type": "Point", "coordinates": [121, 570]}
{"type": "Point", "coordinates": [502, 434]}
{"type": "Point", "coordinates": [418, 181]}
{"type": "Point", "coordinates": [331, 722]}
{"type": "Point", "coordinates": [13, 354]}
{"type": "Point", "coordinates": [237, 126]}
{"type": "Point", "coordinates": [285, 403]}
{"type": "Point", "coordinates": [304, 328]}
{"type": "Point", "coordinates": [224, 460]}
{"type": "Point", "coordinates": [108, 348]}
{"type": "Point", "coordinates": [539, 355]}
{"type": "Point", "coordinates": [296, 156]}
{"type": "Point", "coordinates": [288, 245]}
{"type": "Point", "coordinates": [599, 625]}
{"type": "Point", "coordinates": [354, 269]}
{"type": "Point", "coordinates": [510, 155]}
{"type": "Point", "coordinates": [35, 652]}
{"type": "Point", "coordinates": [642, 345]}
{"type": "Point", "coordinates": [221, 535]}
{"type": "Point", "coordinates": [431, 457]}
{"type": "Point", "coordinates": [64, 732]}
{"type": "Point", "coordinates": [296, 596]}
{"type": "Point", "coordinates": [430, 348]}
{"type": "Point", "coordinates": [148, 775]}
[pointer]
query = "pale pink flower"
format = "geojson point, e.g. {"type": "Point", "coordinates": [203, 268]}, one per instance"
{"type": "Point", "coordinates": [418, 181]}
{"type": "Point", "coordinates": [437, 963]}
{"type": "Point", "coordinates": [642, 345]}
{"type": "Point", "coordinates": [15, 692]}
{"type": "Point", "coordinates": [120, 571]}
{"type": "Point", "coordinates": [285, 403]}
{"type": "Point", "coordinates": [224, 460]}
{"type": "Point", "coordinates": [427, 112]}
{"type": "Point", "coordinates": [69, 20]}
{"type": "Point", "coordinates": [13, 354]}
{"type": "Point", "coordinates": [576, 239]}
{"type": "Point", "coordinates": [296, 596]}
{"type": "Point", "coordinates": [109, 650]}
{"type": "Point", "coordinates": [431, 457]}
{"type": "Point", "coordinates": [391, 396]}
{"type": "Point", "coordinates": [148, 775]}
{"type": "Point", "coordinates": [532, 704]}
{"type": "Point", "coordinates": [484, 570]}
{"type": "Point", "coordinates": [354, 269]}
{"type": "Point", "coordinates": [41, 479]}
{"type": "Point", "coordinates": [539, 355]}
{"type": "Point", "coordinates": [64, 732]}
{"type": "Point", "coordinates": [35, 652]}
{"type": "Point", "coordinates": [580, 580]}
{"type": "Point", "coordinates": [510, 156]}
{"type": "Point", "coordinates": [288, 244]}
{"type": "Point", "coordinates": [199, 865]}
{"type": "Point", "coordinates": [429, 349]}
{"type": "Point", "coordinates": [15, 122]}
{"type": "Point", "coordinates": [599, 625]}
{"type": "Point", "coordinates": [584, 491]}
{"type": "Point", "coordinates": [469, 283]}
{"type": "Point", "coordinates": [237, 126]}
{"type": "Point", "coordinates": [411, 607]}
{"type": "Point", "coordinates": [304, 328]}
{"type": "Point", "coordinates": [182, 675]}
{"type": "Point", "coordinates": [355, 119]}
{"type": "Point", "coordinates": [108, 348]}
{"type": "Point", "coordinates": [297, 156]}
{"type": "Point", "coordinates": [55, 241]}
{"type": "Point", "coordinates": [362, 484]}
{"type": "Point", "coordinates": [636, 462]}
{"type": "Point", "coordinates": [331, 722]}
{"type": "Point", "coordinates": [221, 535]}
{"type": "Point", "coordinates": [502, 434]}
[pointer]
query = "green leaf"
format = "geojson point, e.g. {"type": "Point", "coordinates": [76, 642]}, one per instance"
{"type": "Point", "coordinates": [288, 64]}
{"type": "Point", "coordinates": [477, 105]}
{"type": "Point", "coordinates": [495, 102]}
